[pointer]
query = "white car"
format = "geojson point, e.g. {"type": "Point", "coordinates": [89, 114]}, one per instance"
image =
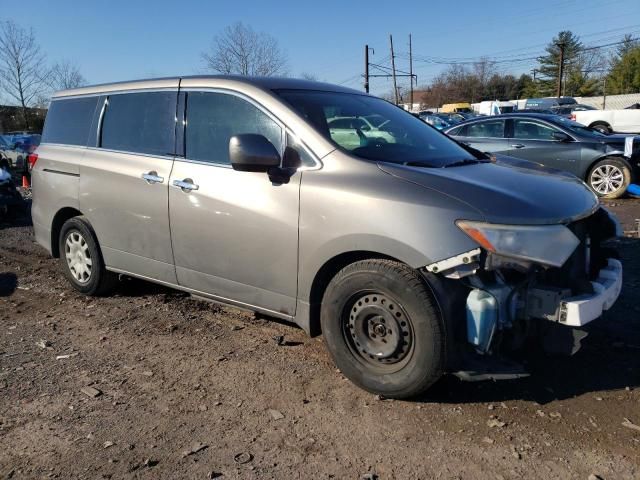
{"type": "Point", "coordinates": [354, 131]}
{"type": "Point", "coordinates": [607, 121]}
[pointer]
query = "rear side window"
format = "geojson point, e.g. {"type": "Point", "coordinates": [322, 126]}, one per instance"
{"type": "Point", "coordinates": [69, 121]}
{"type": "Point", "coordinates": [213, 118]}
{"type": "Point", "coordinates": [488, 129]}
{"type": "Point", "coordinates": [140, 123]}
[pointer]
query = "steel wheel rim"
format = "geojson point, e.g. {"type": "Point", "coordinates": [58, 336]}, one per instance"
{"type": "Point", "coordinates": [607, 179]}
{"type": "Point", "coordinates": [78, 257]}
{"type": "Point", "coordinates": [378, 331]}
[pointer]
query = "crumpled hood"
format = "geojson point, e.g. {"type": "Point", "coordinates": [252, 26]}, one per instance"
{"type": "Point", "coordinates": [509, 191]}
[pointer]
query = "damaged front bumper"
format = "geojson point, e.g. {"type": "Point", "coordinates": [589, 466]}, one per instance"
{"type": "Point", "coordinates": [579, 310]}
{"type": "Point", "coordinates": [508, 299]}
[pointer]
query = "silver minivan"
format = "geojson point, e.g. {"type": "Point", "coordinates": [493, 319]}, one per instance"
{"type": "Point", "coordinates": [412, 254]}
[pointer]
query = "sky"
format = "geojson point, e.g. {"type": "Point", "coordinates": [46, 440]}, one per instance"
{"type": "Point", "coordinates": [121, 40]}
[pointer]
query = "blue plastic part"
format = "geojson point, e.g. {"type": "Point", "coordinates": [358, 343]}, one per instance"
{"type": "Point", "coordinates": [482, 318]}
{"type": "Point", "coordinates": [634, 189]}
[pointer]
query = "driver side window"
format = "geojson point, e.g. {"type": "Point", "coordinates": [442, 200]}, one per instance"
{"type": "Point", "coordinates": [213, 118]}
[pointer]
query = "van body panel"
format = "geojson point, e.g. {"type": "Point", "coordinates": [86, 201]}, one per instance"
{"type": "Point", "coordinates": [236, 236]}
{"type": "Point", "coordinates": [129, 215]}
{"type": "Point", "coordinates": [348, 206]}
{"type": "Point", "coordinates": [137, 85]}
{"type": "Point", "coordinates": [55, 186]}
{"type": "Point", "coordinates": [503, 192]}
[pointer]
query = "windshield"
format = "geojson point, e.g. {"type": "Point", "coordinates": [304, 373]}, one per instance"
{"type": "Point", "coordinates": [402, 138]}
{"type": "Point", "coordinates": [579, 128]}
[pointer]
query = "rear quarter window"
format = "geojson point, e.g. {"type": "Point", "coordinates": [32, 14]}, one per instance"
{"type": "Point", "coordinates": [140, 123]}
{"type": "Point", "coordinates": [456, 131]}
{"type": "Point", "coordinates": [68, 121]}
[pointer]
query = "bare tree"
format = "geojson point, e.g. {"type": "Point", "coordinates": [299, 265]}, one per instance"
{"type": "Point", "coordinates": [309, 76]}
{"type": "Point", "coordinates": [65, 75]}
{"type": "Point", "coordinates": [22, 66]}
{"type": "Point", "coordinates": [243, 51]}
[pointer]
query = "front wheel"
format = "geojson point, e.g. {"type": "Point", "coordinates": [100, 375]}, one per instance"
{"type": "Point", "coordinates": [382, 328]}
{"type": "Point", "coordinates": [609, 178]}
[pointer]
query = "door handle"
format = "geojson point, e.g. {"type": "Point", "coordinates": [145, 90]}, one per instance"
{"type": "Point", "coordinates": [152, 177]}
{"type": "Point", "coordinates": [518, 145]}
{"type": "Point", "coordinates": [186, 184]}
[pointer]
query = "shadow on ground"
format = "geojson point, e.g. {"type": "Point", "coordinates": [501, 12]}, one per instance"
{"type": "Point", "coordinates": [8, 283]}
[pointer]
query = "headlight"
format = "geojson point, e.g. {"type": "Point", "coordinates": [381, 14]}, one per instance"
{"type": "Point", "coordinates": [546, 244]}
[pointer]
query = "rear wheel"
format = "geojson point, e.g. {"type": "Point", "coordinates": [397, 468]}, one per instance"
{"type": "Point", "coordinates": [602, 128]}
{"type": "Point", "coordinates": [81, 259]}
{"type": "Point", "coordinates": [609, 178]}
{"type": "Point", "coordinates": [382, 328]}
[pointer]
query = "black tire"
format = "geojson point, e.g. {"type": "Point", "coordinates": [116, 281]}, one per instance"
{"type": "Point", "coordinates": [620, 177]}
{"type": "Point", "coordinates": [602, 127]}
{"type": "Point", "coordinates": [99, 281]}
{"type": "Point", "coordinates": [370, 293]}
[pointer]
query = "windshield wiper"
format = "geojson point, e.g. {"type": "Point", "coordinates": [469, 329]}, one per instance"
{"type": "Point", "coordinates": [418, 164]}
{"type": "Point", "coordinates": [466, 161]}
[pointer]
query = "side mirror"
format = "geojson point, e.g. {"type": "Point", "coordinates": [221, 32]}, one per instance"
{"type": "Point", "coordinates": [250, 152]}
{"type": "Point", "coordinates": [560, 136]}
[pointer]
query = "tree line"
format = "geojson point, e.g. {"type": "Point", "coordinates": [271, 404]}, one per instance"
{"type": "Point", "coordinates": [27, 79]}
{"type": "Point", "coordinates": [587, 72]}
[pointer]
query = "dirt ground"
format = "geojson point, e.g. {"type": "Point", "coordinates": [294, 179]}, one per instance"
{"type": "Point", "coordinates": [188, 389]}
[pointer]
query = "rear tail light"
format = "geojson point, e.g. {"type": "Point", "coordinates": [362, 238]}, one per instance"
{"type": "Point", "coordinates": [573, 117]}
{"type": "Point", "coordinates": [31, 160]}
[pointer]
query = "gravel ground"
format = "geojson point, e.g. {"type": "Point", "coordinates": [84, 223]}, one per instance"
{"type": "Point", "coordinates": [150, 383]}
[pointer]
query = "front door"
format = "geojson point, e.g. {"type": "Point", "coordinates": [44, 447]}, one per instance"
{"type": "Point", "coordinates": [235, 234]}
{"type": "Point", "coordinates": [533, 140]}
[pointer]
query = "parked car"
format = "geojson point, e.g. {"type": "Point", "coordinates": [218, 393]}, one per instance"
{"type": "Point", "coordinates": [17, 147]}
{"type": "Point", "coordinates": [6, 154]}
{"type": "Point", "coordinates": [11, 202]}
{"type": "Point", "coordinates": [607, 121]}
{"type": "Point", "coordinates": [546, 111]}
{"type": "Point", "coordinates": [438, 121]}
{"type": "Point", "coordinates": [559, 143]}
{"type": "Point", "coordinates": [357, 131]}
{"type": "Point", "coordinates": [567, 110]}
{"type": "Point", "coordinates": [548, 102]}
{"type": "Point", "coordinates": [458, 117]}
{"type": "Point", "coordinates": [496, 107]}
{"type": "Point", "coordinates": [410, 257]}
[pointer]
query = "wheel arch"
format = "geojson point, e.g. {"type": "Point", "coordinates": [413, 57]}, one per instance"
{"type": "Point", "coordinates": [59, 219]}
{"type": "Point", "coordinates": [326, 273]}
{"type": "Point", "coordinates": [600, 122]}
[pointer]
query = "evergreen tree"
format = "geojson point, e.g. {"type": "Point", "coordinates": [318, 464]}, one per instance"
{"type": "Point", "coordinates": [625, 74]}
{"type": "Point", "coordinates": [548, 64]}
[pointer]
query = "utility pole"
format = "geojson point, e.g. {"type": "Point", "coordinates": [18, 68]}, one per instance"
{"type": "Point", "coordinates": [560, 69]}
{"type": "Point", "coordinates": [604, 92]}
{"type": "Point", "coordinates": [393, 67]}
{"type": "Point", "coordinates": [534, 71]}
{"type": "Point", "coordinates": [366, 68]}
{"type": "Point", "coordinates": [410, 73]}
